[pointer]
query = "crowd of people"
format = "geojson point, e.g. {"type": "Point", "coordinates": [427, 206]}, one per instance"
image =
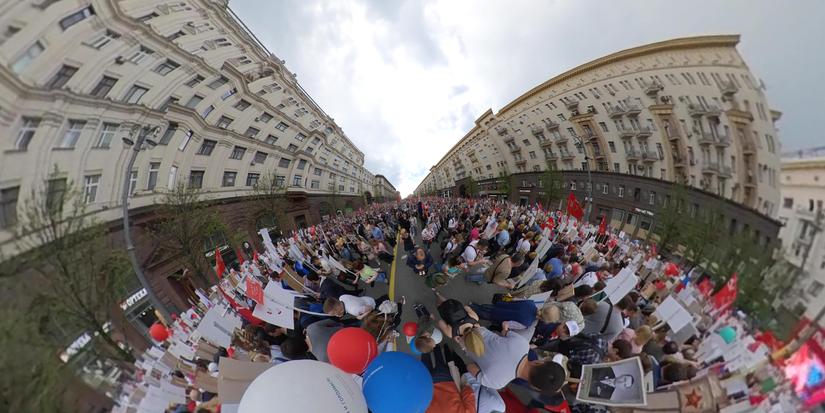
{"type": "Point", "coordinates": [488, 354]}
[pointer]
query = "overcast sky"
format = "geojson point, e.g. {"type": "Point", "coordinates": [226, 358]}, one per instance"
{"type": "Point", "coordinates": [406, 79]}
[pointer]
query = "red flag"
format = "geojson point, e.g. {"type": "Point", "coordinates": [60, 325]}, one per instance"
{"type": "Point", "coordinates": [220, 267]}
{"type": "Point", "coordinates": [603, 225]}
{"type": "Point", "coordinates": [727, 295]}
{"type": "Point", "coordinates": [254, 290]}
{"type": "Point", "coordinates": [255, 256]}
{"type": "Point", "coordinates": [705, 287]}
{"type": "Point", "coordinates": [240, 257]}
{"type": "Point", "coordinates": [573, 207]}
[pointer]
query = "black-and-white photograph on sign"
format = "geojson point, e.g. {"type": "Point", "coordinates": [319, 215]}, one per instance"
{"type": "Point", "coordinates": [618, 383]}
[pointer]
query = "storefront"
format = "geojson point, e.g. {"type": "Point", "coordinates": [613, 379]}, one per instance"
{"type": "Point", "coordinates": [139, 311]}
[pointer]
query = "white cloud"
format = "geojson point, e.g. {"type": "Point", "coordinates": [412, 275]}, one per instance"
{"type": "Point", "coordinates": [406, 79]}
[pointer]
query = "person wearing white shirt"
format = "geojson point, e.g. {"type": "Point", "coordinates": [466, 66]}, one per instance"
{"type": "Point", "coordinates": [349, 304]}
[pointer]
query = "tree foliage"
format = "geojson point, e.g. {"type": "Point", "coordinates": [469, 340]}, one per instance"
{"type": "Point", "coordinates": [551, 184]}
{"type": "Point", "coordinates": [185, 228]}
{"type": "Point", "coordinates": [503, 184]}
{"type": "Point", "coordinates": [470, 187]}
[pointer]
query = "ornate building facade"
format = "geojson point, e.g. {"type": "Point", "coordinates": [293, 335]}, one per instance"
{"type": "Point", "coordinates": [685, 111]}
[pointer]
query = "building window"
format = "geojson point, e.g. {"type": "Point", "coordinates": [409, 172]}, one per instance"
{"type": "Point", "coordinates": [107, 133]}
{"type": "Point", "coordinates": [207, 111]}
{"type": "Point", "coordinates": [8, 206]}
{"type": "Point", "coordinates": [134, 94]}
{"type": "Point", "coordinates": [241, 105]}
{"type": "Point", "coordinates": [652, 199]}
{"type": "Point", "coordinates": [103, 39]}
{"type": "Point", "coordinates": [154, 170]}
{"type": "Point", "coordinates": [284, 163]}
{"type": "Point", "coordinates": [196, 179]}
{"type": "Point", "coordinates": [218, 82]}
{"type": "Point", "coordinates": [168, 133]}
{"type": "Point", "coordinates": [315, 184]}
{"type": "Point", "coordinates": [281, 126]}
{"type": "Point", "coordinates": [280, 181]}
{"type": "Point", "coordinates": [166, 67]}
{"type": "Point", "coordinates": [264, 117]}
{"type": "Point", "coordinates": [572, 185]}
{"type": "Point", "coordinates": [270, 140]}
{"type": "Point", "coordinates": [260, 157]}
{"type": "Point", "coordinates": [297, 180]}
{"type": "Point", "coordinates": [76, 17]}
{"type": "Point", "coordinates": [251, 132]}
{"type": "Point", "coordinates": [172, 178]}
{"type": "Point", "coordinates": [171, 100]}
{"type": "Point", "coordinates": [90, 185]}
{"type": "Point", "coordinates": [23, 62]}
{"type": "Point", "coordinates": [224, 122]}
{"type": "Point", "coordinates": [605, 189]}
{"type": "Point", "coordinates": [103, 87]}
{"type": "Point", "coordinates": [175, 35]}
{"type": "Point", "coordinates": [300, 137]}
{"type": "Point", "coordinates": [229, 178]}
{"type": "Point", "coordinates": [193, 101]}
{"type": "Point", "coordinates": [317, 172]}
{"type": "Point", "coordinates": [72, 134]}
{"type": "Point", "coordinates": [55, 194]}
{"type": "Point", "coordinates": [237, 152]}
{"type": "Point", "coordinates": [292, 147]}
{"type": "Point", "coordinates": [140, 54]}
{"type": "Point", "coordinates": [194, 81]}
{"type": "Point", "coordinates": [133, 177]}
{"type": "Point", "coordinates": [252, 179]}
{"type": "Point", "coordinates": [207, 147]}
{"type": "Point", "coordinates": [815, 288]}
{"type": "Point", "coordinates": [787, 202]}
{"type": "Point", "coordinates": [620, 192]}
{"type": "Point", "coordinates": [26, 133]}
{"type": "Point", "coordinates": [302, 163]}
{"type": "Point", "coordinates": [230, 92]}
{"type": "Point", "coordinates": [612, 146]}
{"type": "Point", "coordinates": [61, 77]}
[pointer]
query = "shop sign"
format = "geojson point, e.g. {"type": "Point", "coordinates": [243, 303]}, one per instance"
{"type": "Point", "coordinates": [133, 299]}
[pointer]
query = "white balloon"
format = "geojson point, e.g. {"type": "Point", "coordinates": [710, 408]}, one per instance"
{"type": "Point", "coordinates": [303, 386]}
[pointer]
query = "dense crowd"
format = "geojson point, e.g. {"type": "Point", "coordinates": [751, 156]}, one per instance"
{"type": "Point", "coordinates": [511, 350]}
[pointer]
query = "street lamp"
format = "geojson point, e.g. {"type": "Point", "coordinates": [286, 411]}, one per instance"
{"type": "Point", "coordinates": [142, 141]}
{"type": "Point", "coordinates": [589, 206]}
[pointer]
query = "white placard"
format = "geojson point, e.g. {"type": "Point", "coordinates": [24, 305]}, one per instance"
{"type": "Point", "coordinates": [673, 313]}
{"type": "Point", "coordinates": [218, 327]}
{"type": "Point", "coordinates": [617, 287]}
{"type": "Point", "coordinates": [182, 350]}
{"type": "Point", "coordinates": [540, 299]}
{"type": "Point", "coordinates": [278, 306]}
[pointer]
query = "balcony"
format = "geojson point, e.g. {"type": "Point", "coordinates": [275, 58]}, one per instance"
{"type": "Point", "coordinates": [562, 138]}
{"type": "Point", "coordinates": [572, 104]}
{"type": "Point", "coordinates": [501, 131]}
{"type": "Point", "coordinates": [590, 137]}
{"type": "Point", "coordinates": [566, 156]}
{"type": "Point", "coordinates": [725, 172]}
{"type": "Point", "coordinates": [521, 162]}
{"type": "Point", "coordinates": [652, 89]}
{"type": "Point", "coordinates": [748, 148]}
{"type": "Point", "coordinates": [710, 167]}
{"type": "Point", "coordinates": [750, 181]}
{"type": "Point", "coordinates": [644, 132]}
{"type": "Point", "coordinates": [722, 141]}
{"type": "Point", "coordinates": [550, 125]}
{"type": "Point", "coordinates": [551, 156]}
{"type": "Point", "coordinates": [633, 110]}
{"type": "Point", "coordinates": [705, 138]}
{"type": "Point", "coordinates": [650, 156]}
{"type": "Point", "coordinates": [509, 139]}
{"type": "Point", "coordinates": [728, 89]}
{"type": "Point", "coordinates": [537, 130]}
{"type": "Point", "coordinates": [614, 111]}
{"type": "Point", "coordinates": [546, 143]}
{"type": "Point", "coordinates": [672, 135]}
{"type": "Point", "coordinates": [599, 155]}
{"type": "Point", "coordinates": [515, 149]}
{"type": "Point", "coordinates": [632, 155]}
{"type": "Point", "coordinates": [713, 111]}
{"type": "Point", "coordinates": [695, 110]}
{"type": "Point", "coordinates": [626, 133]}
{"type": "Point", "coordinates": [679, 162]}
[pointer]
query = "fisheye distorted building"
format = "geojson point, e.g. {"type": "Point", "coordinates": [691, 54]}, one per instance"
{"type": "Point", "coordinates": [685, 111]}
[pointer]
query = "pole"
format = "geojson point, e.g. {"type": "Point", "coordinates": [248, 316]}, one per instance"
{"type": "Point", "coordinates": [127, 233]}
{"type": "Point", "coordinates": [589, 206]}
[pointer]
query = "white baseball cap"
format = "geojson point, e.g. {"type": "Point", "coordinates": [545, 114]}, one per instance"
{"type": "Point", "coordinates": [572, 327]}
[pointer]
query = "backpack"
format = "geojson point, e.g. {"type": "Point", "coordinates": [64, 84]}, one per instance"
{"type": "Point", "coordinates": [454, 314]}
{"type": "Point", "coordinates": [436, 280]}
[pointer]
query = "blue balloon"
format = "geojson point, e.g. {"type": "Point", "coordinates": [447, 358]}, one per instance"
{"type": "Point", "coordinates": [396, 382]}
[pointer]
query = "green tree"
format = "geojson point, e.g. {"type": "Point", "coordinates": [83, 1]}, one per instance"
{"type": "Point", "coordinates": [270, 193]}
{"type": "Point", "coordinates": [74, 272]}
{"type": "Point", "coordinates": [701, 236]}
{"type": "Point", "coordinates": [671, 219]}
{"type": "Point", "coordinates": [551, 183]}
{"type": "Point", "coordinates": [470, 187]}
{"type": "Point", "coordinates": [186, 227]}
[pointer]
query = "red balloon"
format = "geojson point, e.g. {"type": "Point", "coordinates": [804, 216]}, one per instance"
{"type": "Point", "coordinates": [410, 328]}
{"type": "Point", "coordinates": [351, 349]}
{"type": "Point", "coordinates": [671, 269]}
{"type": "Point", "coordinates": [159, 332]}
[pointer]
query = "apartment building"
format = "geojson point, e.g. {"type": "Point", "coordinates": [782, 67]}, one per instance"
{"type": "Point", "coordinates": [802, 179]}
{"type": "Point", "coordinates": [685, 111]}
